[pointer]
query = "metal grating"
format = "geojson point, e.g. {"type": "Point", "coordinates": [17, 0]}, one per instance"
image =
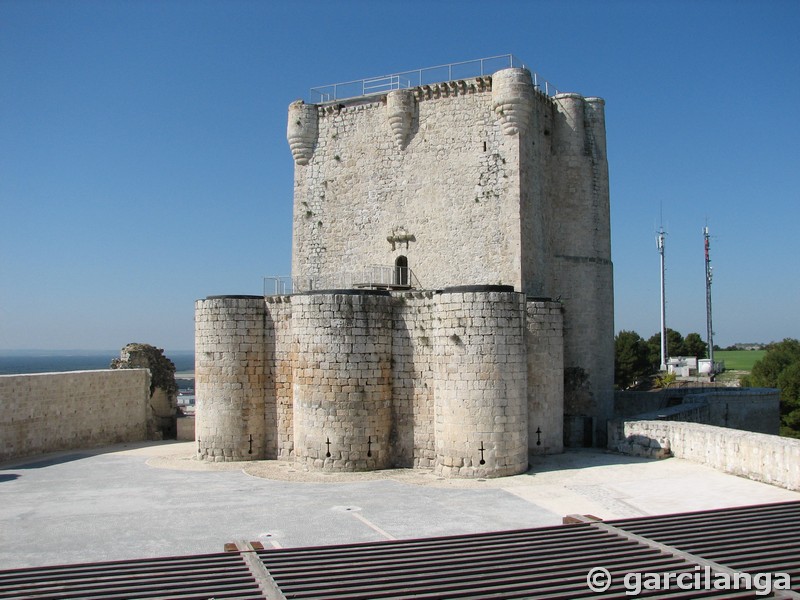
{"type": "Point", "coordinates": [217, 576]}
{"type": "Point", "coordinates": [752, 539]}
{"type": "Point", "coordinates": [547, 562]}
{"type": "Point", "coordinates": [536, 563]}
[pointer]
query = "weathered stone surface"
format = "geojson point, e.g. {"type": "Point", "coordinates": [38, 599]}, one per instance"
{"type": "Point", "coordinates": [81, 409]}
{"type": "Point", "coordinates": [230, 379]}
{"type": "Point", "coordinates": [762, 457]}
{"type": "Point", "coordinates": [473, 182]}
{"type": "Point", "coordinates": [496, 182]}
{"type": "Point", "coordinates": [163, 406]}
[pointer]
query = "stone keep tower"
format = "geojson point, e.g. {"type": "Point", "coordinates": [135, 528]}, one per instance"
{"type": "Point", "coordinates": [481, 181]}
{"type": "Point", "coordinates": [452, 301]}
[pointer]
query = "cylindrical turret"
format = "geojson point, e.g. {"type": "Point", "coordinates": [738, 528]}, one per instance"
{"type": "Point", "coordinates": [582, 271]}
{"type": "Point", "coordinates": [301, 130]}
{"type": "Point", "coordinates": [595, 110]}
{"type": "Point", "coordinates": [400, 106]}
{"type": "Point", "coordinates": [342, 376]}
{"type": "Point", "coordinates": [512, 99]}
{"type": "Point", "coordinates": [569, 135]}
{"type": "Point", "coordinates": [480, 403]}
{"type": "Point", "coordinates": [230, 377]}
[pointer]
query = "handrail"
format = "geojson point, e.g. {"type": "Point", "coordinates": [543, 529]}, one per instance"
{"type": "Point", "coordinates": [371, 277]}
{"type": "Point", "coordinates": [425, 76]}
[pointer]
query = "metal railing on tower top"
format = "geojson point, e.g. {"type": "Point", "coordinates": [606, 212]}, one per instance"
{"type": "Point", "coordinates": [429, 75]}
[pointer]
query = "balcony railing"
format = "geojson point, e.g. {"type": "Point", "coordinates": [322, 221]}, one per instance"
{"type": "Point", "coordinates": [374, 277]}
{"type": "Point", "coordinates": [429, 75]}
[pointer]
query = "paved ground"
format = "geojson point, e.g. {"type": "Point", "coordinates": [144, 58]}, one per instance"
{"type": "Point", "coordinates": [144, 500]}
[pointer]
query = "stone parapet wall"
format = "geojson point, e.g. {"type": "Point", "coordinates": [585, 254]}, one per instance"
{"type": "Point", "coordinates": [62, 411]}
{"type": "Point", "coordinates": [749, 409]}
{"type": "Point", "coordinates": [768, 458]}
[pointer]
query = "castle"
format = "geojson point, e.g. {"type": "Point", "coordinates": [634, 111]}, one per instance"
{"type": "Point", "coordinates": [452, 295]}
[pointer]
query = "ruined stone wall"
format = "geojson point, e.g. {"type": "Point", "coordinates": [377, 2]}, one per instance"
{"type": "Point", "coordinates": [544, 343]}
{"type": "Point", "coordinates": [162, 409]}
{"type": "Point", "coordinates": [425, 161]}
{"type": "Point", "coordinates": [230, 378]}
{"type": "Point", "coordinates": [62, 411]}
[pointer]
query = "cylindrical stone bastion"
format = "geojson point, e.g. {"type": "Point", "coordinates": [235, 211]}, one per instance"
{"type": "Point", "coordinates": [342, 376]}
{"type": "Point", "coordinates": [480, 391]}
{"type": "Point", "coordinates": [229, 378]}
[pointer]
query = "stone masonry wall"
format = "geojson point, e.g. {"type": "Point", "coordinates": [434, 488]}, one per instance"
{"type": "Point", "coordinates": [544, 343]}
{"type": "Point", "coordinates": [230, 378]}
{"type": "Point", "coordinates": [453, 165]}
{"type": "Point", "coordinates": [278, 356]}
{"type": "Point", "coordinates": [342, 379]}
{"type": "Point", "coordinates": [480, 391]}
{"type": "Point", "coordinates": [580, 268]}
{"type": "Point", "coordinates": [768, 458]}
{"type": "Point", "coordinates": [472, 182]}
{"type": "Point", "coordinates": [412, 385]}
{"type": "Point", "coordinates": [61, 411]}
{"type": "Point", "coordinates": [363, 379]}
{"type": "Point", "coordinates": [749, 409]}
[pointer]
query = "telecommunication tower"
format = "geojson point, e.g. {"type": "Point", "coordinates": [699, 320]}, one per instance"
{"type": "Point", "coordinates": [660, 245]}
{"type": "Point", "coordinates": [710, 329]}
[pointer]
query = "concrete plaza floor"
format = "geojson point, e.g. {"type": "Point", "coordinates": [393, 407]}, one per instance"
{"type": "Point", "coordinates": [154, 499]}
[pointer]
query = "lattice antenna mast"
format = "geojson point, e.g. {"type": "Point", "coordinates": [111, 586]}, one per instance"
{"type": "Point", "coordinates": [709, 327]}
{"type": "Point", "coordinates": [660, 245]}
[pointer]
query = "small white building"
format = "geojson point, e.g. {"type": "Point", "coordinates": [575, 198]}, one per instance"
{"type": "Point", "coordinates": [682, 366]}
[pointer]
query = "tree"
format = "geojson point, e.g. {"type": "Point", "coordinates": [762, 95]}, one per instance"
{"type": "Point", "coordinates": [693, 345]}
{"type": "Point", "coordinates": [630, 359]}
{"type": "Point", "coordinates": [778, 357]}
{"type": "Point", "coordinates": [675, 347]}
{"type": "Point", "coordinates": [780, 368]}
{"type": "Point", "coordinates": [789, 384]}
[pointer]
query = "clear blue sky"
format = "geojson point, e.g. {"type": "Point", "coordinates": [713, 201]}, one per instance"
{"type": "Point", "coordinates": [144, 164]}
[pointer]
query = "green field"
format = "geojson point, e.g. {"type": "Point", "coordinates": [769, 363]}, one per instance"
{"type": "Point", "coordinates": [739, 360]}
